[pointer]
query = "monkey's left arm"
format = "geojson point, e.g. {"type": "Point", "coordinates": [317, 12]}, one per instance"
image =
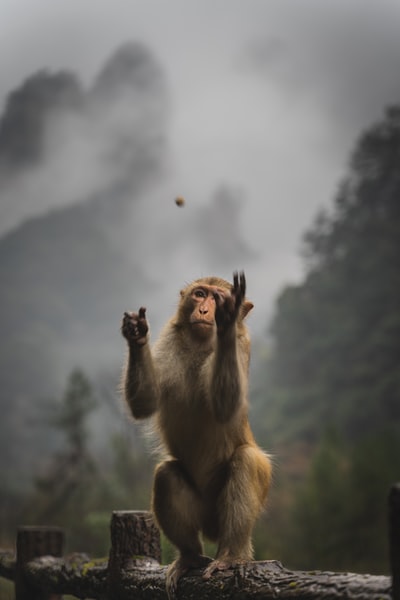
{"type": "Point", "coordinates": [228, 383]}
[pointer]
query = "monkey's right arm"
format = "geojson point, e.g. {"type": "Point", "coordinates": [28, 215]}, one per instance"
{"type": "Point", "coordinates": [140, 382]}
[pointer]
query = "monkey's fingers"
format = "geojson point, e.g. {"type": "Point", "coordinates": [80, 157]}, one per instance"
{"type": "Point", "coordinates": [242, 280]}
{"type": "Point", "coordinates": [134, 328]}
{"type": "Point", "coordinates": [126, 325]}
{"type": "Point", "coordinates": [219, 299]}
{"type": "Point", "coordinates": [238, 289]}
{"type": "Point", "coordinates": [127, 319]}
{"type": "Point", "coordinates": [141, 323]}
{"type": "Point", "coordinates": [223, 302]}
{"type": "Point", "coordinates": [239, 284]}
{"type": "Point", "coordinates": [235, 281]}
{"type": "Point", "coordinates": [220, 565]}
{"type": "Point", "coordinates": [175, 571]}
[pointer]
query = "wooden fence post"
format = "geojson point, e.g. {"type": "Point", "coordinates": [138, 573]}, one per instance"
{"type": "Point", "coordinates": [135, 542]}
{"type": "Point", "coordinates": [394, 538]}
{"type": "Point", "coordinates": [33, 542]}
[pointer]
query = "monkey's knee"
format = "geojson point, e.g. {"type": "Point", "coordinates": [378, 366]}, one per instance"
{"type": "Point", "coordinates": [264, 473]}
{"type": "Point", "coordinates": [177, 506]}
{"type": "Point", "coordinates": [255, 469]}
{"type": "Point", "coordinates": [171, 479]}
{"type": "Point", "coordinates": [243, 499]}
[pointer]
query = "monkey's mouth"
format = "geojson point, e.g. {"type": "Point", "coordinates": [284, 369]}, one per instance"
{"type": "Point", "coordinates": [201, 322]}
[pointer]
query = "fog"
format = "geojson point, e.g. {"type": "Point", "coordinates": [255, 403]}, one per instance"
{"type": "Point", "coordinates": [261, 106]}
{"type": "Point", "coordinates": [248, 110]}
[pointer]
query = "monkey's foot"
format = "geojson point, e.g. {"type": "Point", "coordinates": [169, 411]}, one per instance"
{"type": "Point", "coordinates": [220, 564]}
{"type": "Point", "coordinates": [179, 568]}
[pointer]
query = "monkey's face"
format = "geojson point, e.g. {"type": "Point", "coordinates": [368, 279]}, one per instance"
{"type": "Point", "coordinates": [202, 316]}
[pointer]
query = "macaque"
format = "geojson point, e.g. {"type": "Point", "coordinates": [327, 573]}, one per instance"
{"type": "Point", "coordinates": [215, 478]}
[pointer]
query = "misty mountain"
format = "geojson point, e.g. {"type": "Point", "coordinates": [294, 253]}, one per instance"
{"type": "Point", "coordinates": [27, 110]}
{"type": "Point", "coordinates": [86, 232]}
{"type": "Point", "coordinates": [61, 143]}
{"type": "Point", "coordinates": [64, 273]}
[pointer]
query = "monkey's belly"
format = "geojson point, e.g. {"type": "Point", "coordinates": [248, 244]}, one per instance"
{"type": "Point", "coordinates": [203, 449]}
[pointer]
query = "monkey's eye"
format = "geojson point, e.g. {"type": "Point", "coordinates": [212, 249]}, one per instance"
{"type": "Point", "coordinates": [199, 293]}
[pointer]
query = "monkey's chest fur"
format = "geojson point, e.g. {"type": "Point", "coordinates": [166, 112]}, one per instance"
{"type": "Point", "coordinates": [191, 434]}
{"type": "Point", "coordinates": [187, 423]}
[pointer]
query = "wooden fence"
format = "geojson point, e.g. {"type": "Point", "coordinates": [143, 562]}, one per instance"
{"type": "Point", "coordinates": [133, 569]}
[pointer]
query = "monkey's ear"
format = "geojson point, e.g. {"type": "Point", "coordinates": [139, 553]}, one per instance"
{"type": "Point", "coordinates": [246, 308]}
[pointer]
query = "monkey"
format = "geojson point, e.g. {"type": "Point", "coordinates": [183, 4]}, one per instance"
{"type": "Point", "coordinates": [215, 479]}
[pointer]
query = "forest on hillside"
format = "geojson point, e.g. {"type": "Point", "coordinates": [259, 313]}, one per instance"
{"type": "Point", "coordinates": [325, 389]}
{"type": "Point", "coordinates": [332, 378]}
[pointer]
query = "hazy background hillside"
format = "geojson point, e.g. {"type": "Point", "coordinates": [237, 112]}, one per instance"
{"type": "Point", "coordinates": [66, 274]}
{"type": "Point", "coordinates": [69, 274]}
{"type": "Point", "coordinates": [283, 135]}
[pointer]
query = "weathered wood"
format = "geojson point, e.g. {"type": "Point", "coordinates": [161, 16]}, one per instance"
{"type": "Point", "coordinates": [33, 542]}
{"type": "Point", "coordinates": [77, 575]}
{"type": "Point", "coordinates": [134, 535]}
{"type": "Point", "coordinates": [262, 580]}
{"type": "Point", "coordinates": [133, 570]}
{"type": "Point", "coordinates": [135, 542]}
{"type": "Point", "coordinates": [394, 538]}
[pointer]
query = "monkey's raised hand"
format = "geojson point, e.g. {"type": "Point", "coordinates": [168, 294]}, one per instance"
{"type": "Point", "coordinates": [228, 306]}
{"type": "Point", "coordinates": [134, 327]}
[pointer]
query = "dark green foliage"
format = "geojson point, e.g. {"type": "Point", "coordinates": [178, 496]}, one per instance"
{"type": "Point", "coordinates": [64, 491]}
{"type": "Point", "coordinates": [7, 589]}
{"type": "Point", "coordinates": [337, 335]}
{"type": "Point", "coordinates": [76, 490]}
{"type": "Point", "coordinates": [339, 516]}
{"type": "Point", "coordinates": [317, 516]}
{"type": "Point", "coordinates": [77, 404]}
{"type": "Point", "coordinates": [335, 364]}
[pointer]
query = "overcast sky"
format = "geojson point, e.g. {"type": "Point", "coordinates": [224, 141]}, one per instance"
{"type": "Point", "coordinates": [267, 96]}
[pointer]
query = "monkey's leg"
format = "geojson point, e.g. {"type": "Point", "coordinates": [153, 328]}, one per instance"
{"type": "Point", "coordinates": [177, 507]}
{"type": "Point", "coordinates": [239, 504]}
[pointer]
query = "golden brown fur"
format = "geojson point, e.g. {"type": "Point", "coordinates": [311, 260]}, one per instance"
{"type": "Point", "coordinates": [194, 381]}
